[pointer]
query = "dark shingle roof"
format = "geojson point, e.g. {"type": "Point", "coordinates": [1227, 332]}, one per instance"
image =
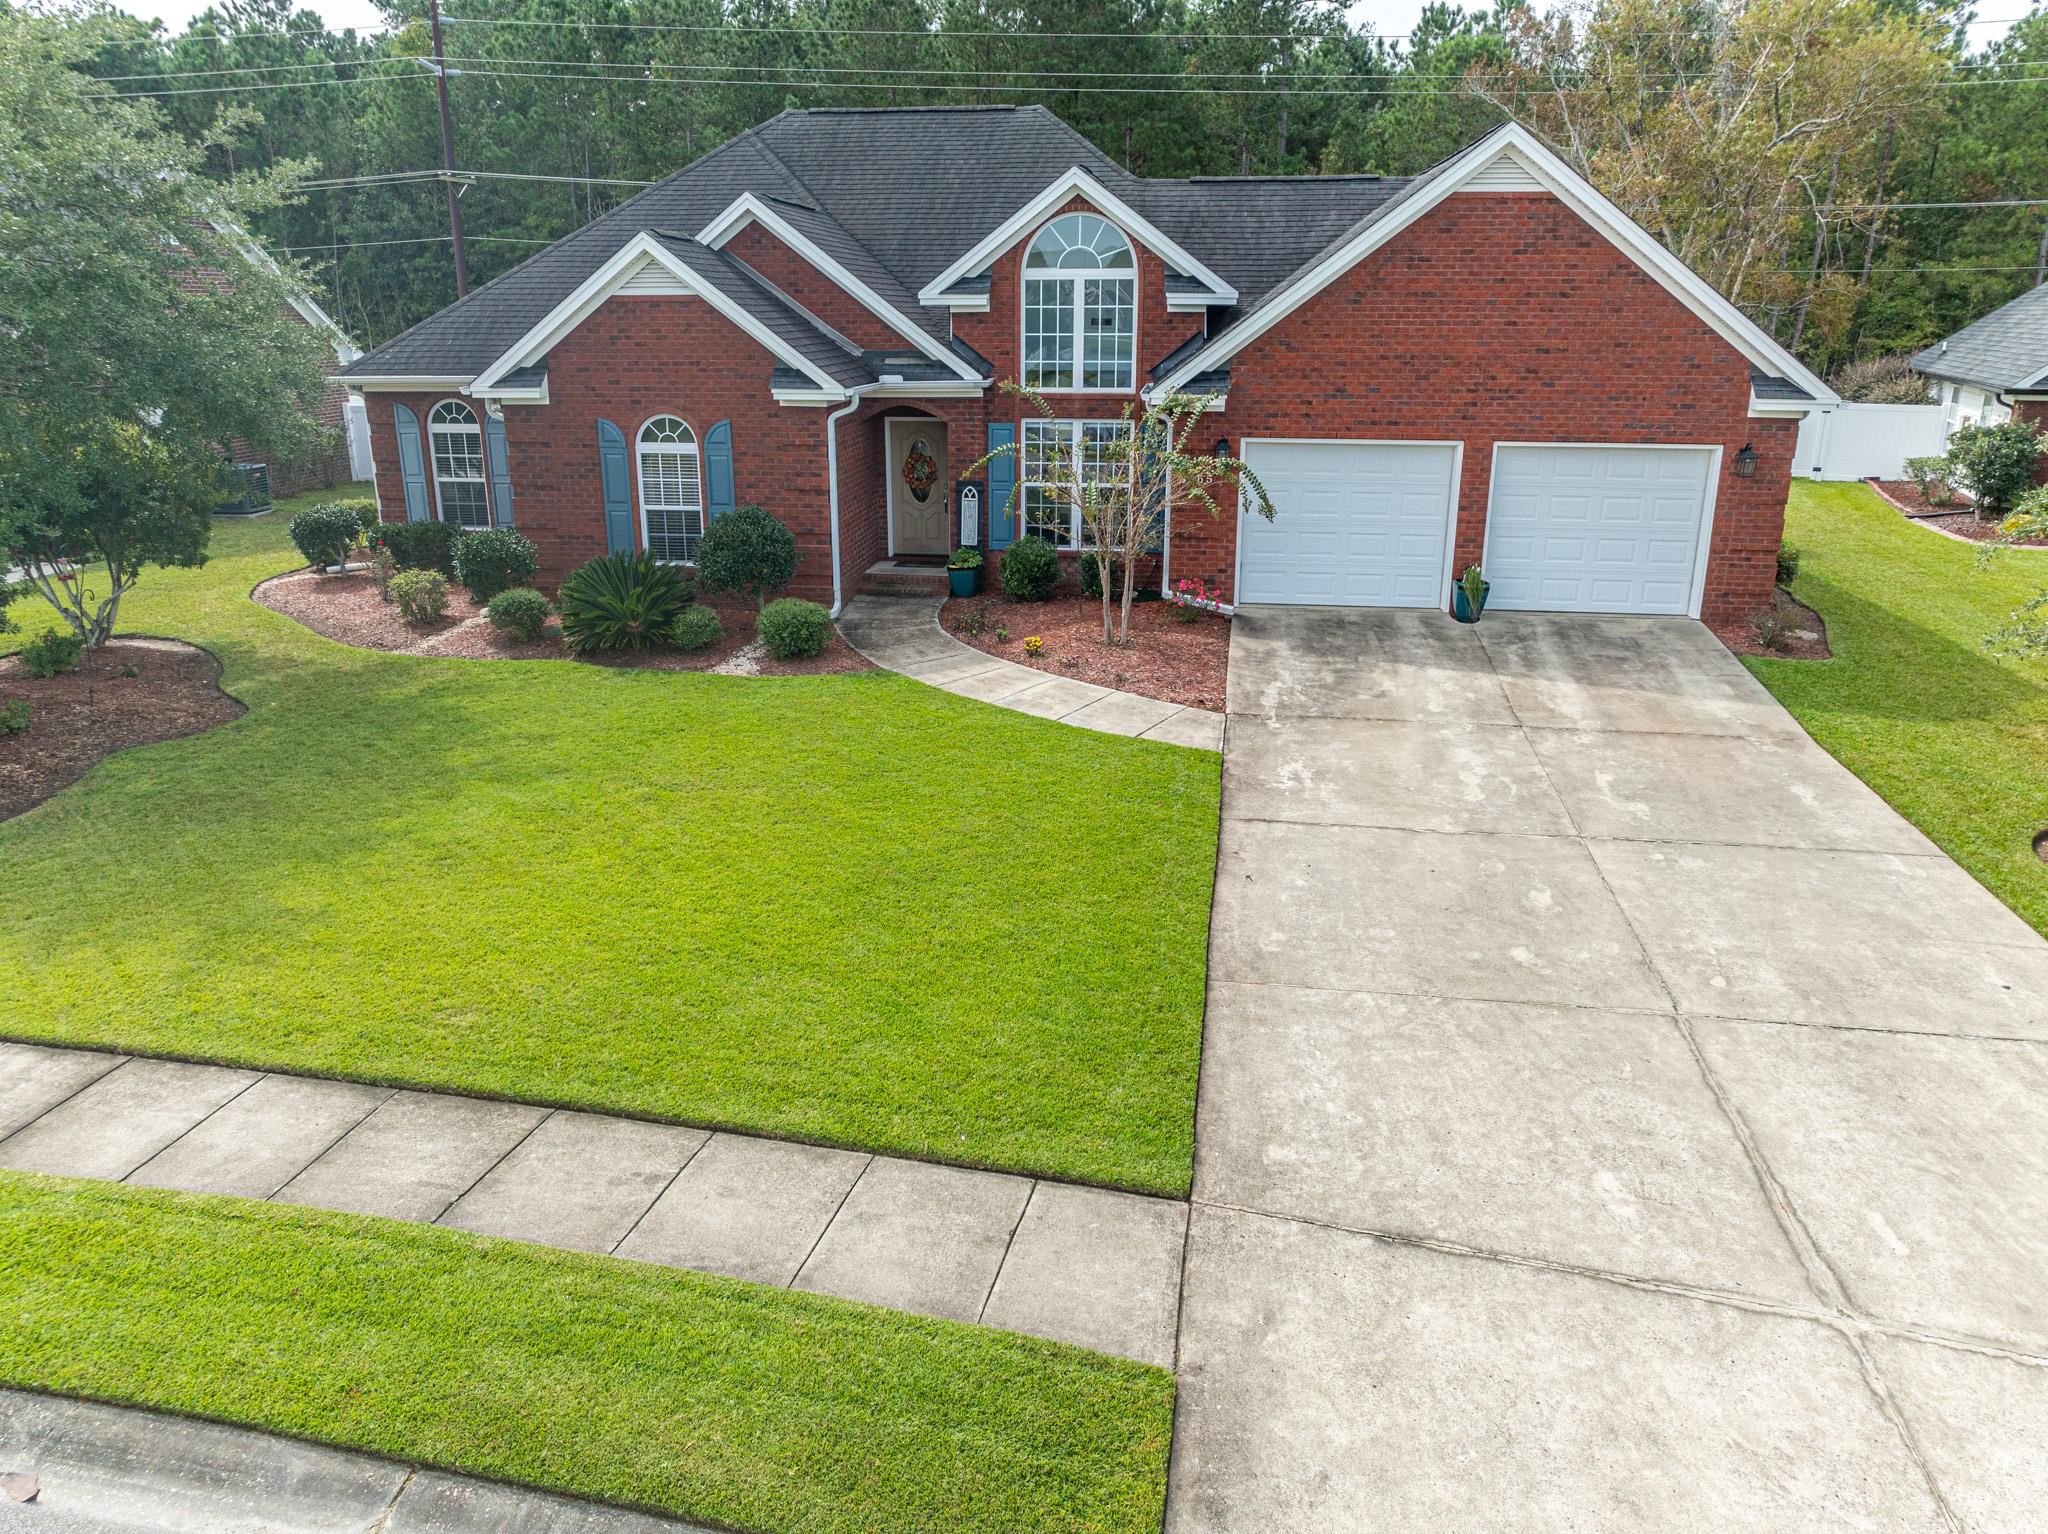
{"type": "Point", "coordinates": [2007, 349]}
{"type": "Point", "coordinates": [1764, 386]}
{"type": "Point", "coordinates": [895, 196]}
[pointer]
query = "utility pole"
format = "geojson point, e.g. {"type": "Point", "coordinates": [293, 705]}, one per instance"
{"type": "Point", "coordinates": [440, 69]}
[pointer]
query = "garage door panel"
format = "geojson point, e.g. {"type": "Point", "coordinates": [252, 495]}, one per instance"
{"type": "Point", "coordinates": [1596, 529]}
{"type": "Point", "coordinates": [1356, 524]}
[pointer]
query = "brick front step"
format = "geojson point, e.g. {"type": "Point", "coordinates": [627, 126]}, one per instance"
{"type": "Point", "coordinates": [886, 578]}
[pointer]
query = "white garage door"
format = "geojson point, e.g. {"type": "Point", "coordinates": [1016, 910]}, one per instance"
{"type": "Point", "coordinates": [1596, 529]}
{"type": "Point", "coordinates": [1356, 524]}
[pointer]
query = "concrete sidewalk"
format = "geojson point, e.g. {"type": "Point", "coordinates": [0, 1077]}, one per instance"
{"type": "Point", "coordinates": [113, 1470]}
{"type": "Point", "coordinates": [902, 634]}
{"type": "Point", "coordinates": [1613, 1116]}
{"type": "Point", "coordinates": [1080, 1265]}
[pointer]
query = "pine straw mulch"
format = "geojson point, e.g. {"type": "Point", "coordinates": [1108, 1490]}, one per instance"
{"type": "Point", "coordinates": [350, 610]}
{"type": "Point", "coordinates": [85, 715]}
{"type": "Point", "coordinates": [1805, 636]}
{"type": "Point", "coordinates": [1168, 658]}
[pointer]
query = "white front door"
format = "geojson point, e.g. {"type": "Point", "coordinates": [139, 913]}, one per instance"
{"type": "Point", "coordinates": [1355, 524]}
{"type": "Point", "coordinates": [920, 493]}
{"type": "Point", "coordinates": [1598, 529]}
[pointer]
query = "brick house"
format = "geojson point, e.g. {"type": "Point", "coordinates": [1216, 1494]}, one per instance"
{"type": "Point", "coordinates": [1995, 369]}
{"type": "Point", "coordinates": [1487, 362]}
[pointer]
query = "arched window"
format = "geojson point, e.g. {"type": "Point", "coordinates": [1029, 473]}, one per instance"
{"type": "Point", "coordinates": [1080, 280]}
{"type": "Point", "coordinates": [458, 465]}
{"type": "Point", "coordinates": [671, 490]}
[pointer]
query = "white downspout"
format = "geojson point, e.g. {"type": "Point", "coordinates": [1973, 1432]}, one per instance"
{"type": "Point", "coordinates": [853, 403]}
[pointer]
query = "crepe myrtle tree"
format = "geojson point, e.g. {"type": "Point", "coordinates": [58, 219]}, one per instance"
{"type": "Point", "coordinates": [140, 329]}
{"type": "Point", "coordinates": [1126, 484]}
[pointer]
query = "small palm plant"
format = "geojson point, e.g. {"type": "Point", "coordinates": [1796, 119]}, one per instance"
{"type": "Point", "coordinates": [621, 602]}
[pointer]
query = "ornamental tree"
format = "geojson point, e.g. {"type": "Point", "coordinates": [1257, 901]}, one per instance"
{"type": "Point", "coordinates": [139, 329]}
{"type": "Point", "coordinates": [748, 552]}
{"type": "Point", "coordinates": [1126, 476]}
{"type": "Point", "coordinates": [1996, 464]}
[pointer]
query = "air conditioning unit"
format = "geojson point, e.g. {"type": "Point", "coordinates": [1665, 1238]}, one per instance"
{"type": "Point", "coordinates": [255, 496]}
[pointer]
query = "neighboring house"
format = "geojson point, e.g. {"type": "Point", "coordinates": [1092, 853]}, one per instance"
{"type": "Point", "coordinates": [1487, 362]}
{"type": "Point", "coordinates": [344, 454]}
{"type": "Point", "coordinates": [1996, 369]}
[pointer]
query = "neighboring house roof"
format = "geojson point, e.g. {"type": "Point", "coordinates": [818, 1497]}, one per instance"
{"type": "Point", "coordinates": [2007, 349]}
{"type": "Point", "coordinates": [909, 205]}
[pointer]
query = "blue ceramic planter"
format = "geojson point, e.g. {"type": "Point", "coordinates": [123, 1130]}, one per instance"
{"type": "Point", "coordinates": [1462, 609]}
{"type": "Point", "coordinates": [964, 581]}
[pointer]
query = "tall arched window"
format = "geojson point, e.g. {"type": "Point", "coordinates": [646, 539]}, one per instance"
{"type": "Point", "coordinates": [458, 465]}
{"type": "Point", "coordinates": [671, 490]}
{"type": "Point", "coordinates": [1080, 280]}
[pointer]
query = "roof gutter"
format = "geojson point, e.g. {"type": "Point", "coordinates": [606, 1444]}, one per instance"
{"type": "Point", "coordinates": [854, 400]}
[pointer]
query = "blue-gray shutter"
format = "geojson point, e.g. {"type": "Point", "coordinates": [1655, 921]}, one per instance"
{"type": "Point", "coordinates": [618, 489]}
{"type": "Point", "coordinates": [718, 470]}
{"type": "Point", "coordinates": [1002, 484]}
{"type": "Point", "coordinates": [412, 463]}
{"type": "Point", "coordinates": [500, 462]}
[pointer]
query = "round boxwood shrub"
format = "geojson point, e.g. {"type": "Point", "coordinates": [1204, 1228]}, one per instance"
{"type": "Point", "coordinates": [325, 533]}
{"type": "Point", "coordinates": [793, 628]}
{"type": "Point", "coordinates": [494, 559]}
{"type": "Point", "coordinates": [522, 612]}
{"type": "Point", "coordinates": [621, 602]}
{"type": "Point", "coordinates": [695, 627]}
{"type": "Point", "coordinates": [51, 652]}
{"type": "Point", "coordinates": [421, 595]}
{"type": "Point", "coordinates": [746, 551]}
{"type": "Point", "coordinates": [1091, 575]}
{"type": "Point", "coordinates": [1031, 568]}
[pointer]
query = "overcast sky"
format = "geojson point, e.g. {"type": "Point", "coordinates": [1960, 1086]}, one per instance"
{"type": "Point", "coordinates": [1385, 16]}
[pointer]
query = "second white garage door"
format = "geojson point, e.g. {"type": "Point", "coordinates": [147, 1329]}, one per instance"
{"type": "Point", "coordinates": [1357, 524]}
{"type": "Point", "coordinates": [1597, 529]}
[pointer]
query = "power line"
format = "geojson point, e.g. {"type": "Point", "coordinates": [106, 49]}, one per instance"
{"type": "Point", "coordinates": [426, 239]}
{"type": "Point", "coordinates": [401, 177]}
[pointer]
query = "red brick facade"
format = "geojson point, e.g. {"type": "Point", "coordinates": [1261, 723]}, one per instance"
{"type": "Point", "coordinates": [1497, 317]}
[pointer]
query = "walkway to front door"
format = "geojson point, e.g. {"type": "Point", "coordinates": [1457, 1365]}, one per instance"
{"type": "Point", "coordinates": [1613, 1116]}
{"type": "Point", "coordinates": [920, 510]}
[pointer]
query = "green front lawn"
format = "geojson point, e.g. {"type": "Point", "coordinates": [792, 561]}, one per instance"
{"type": "Point", "coordinates": [1955, 738]}
{"type": "Point", "coordinates": [850, 909]}
{"type": "Point", "coordinates": [749, 1407]}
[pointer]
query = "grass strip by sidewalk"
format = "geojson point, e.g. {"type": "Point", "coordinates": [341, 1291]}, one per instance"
{"type": "Point", "coordinates": [1955, 738]}
{"type": "Point", "coordinates": [733, 1403]}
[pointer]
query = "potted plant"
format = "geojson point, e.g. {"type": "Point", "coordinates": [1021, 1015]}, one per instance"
{"type": "Point", "coordinates": [1468, 597]}
{"type": "Point", "coordinates": [963, 571]}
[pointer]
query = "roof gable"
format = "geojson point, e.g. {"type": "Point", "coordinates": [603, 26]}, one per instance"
{"type": "Point", "coordinates": [1528, 159]}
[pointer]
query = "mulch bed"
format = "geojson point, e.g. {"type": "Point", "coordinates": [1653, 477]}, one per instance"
{"type": "Point", "coordinates": [1168, 658]}
{"type": "Point", "coordinates": [1806, 637]}
{"type": "Point", "coordinates": [1956, 519]}
{"type": "Point", "coordinates": [350, 610]}
{"type": "Point", "coordinates": [84, 716]}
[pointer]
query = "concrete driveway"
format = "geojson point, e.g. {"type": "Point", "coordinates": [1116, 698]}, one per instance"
{"type": "Point", "coordinates": [1613, 1116]}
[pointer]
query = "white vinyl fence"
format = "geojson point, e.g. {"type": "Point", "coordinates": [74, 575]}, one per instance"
{"type": "Point", "coordinates": [1867, 441]}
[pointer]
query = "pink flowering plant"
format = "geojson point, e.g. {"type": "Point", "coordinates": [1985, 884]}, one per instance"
{"type": "Point", "coordinates": [1193, 598]}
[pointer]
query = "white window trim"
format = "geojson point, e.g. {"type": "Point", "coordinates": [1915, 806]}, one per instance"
{"type": "Point", "coordinates": [482, 480]}
{"type": "Point", "coordinates": [1074, 427]}
{"type": "Point", "coordinates": [640, 445]}
{"type": "Point", "coordinates": [1075, 277]}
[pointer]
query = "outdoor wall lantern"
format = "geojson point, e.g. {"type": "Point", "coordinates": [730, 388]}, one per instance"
{"type": "Point", "coordinates": [1745, 462]}
{"type": "Point", "coordinates": [1222, 448]}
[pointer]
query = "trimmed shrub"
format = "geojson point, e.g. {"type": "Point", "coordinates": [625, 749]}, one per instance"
{"type": "Point", "coordinates": [1031, 568]}
{"type": "Point", "coordinates": [1091, 575]}
{"type": "Point", "coordinates": [522, 611]}
{"type": "Point", "coordinates": [621, 602]}
{"type": "Point", "coordinates": [51, 652]}
{"type": "Point", "coordinates": [367, 519]}
{"type": "Point", "coordinates": [793, 628]}
{"type": "Point", "coordinates": [1996, 464]}
{"type": "Point", "coordinates": [325, 533]}
{"type": "Point", "coordinates": [494, 559]}
{"type": "Point", "coordinates": [695, 628]}
{"type": "Point", "coordinates": [421, 545]}
{"type": "Point", "coordinates": [421, 595]}
{"type": "Point", "coordinates": [1930, 477]}
{"type": "Point", "coordinates": [15, 714]}
{"type": "Point", "coordinates": [1788, 562]}
{"type": "Point", "coordinates": [748, 552]}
